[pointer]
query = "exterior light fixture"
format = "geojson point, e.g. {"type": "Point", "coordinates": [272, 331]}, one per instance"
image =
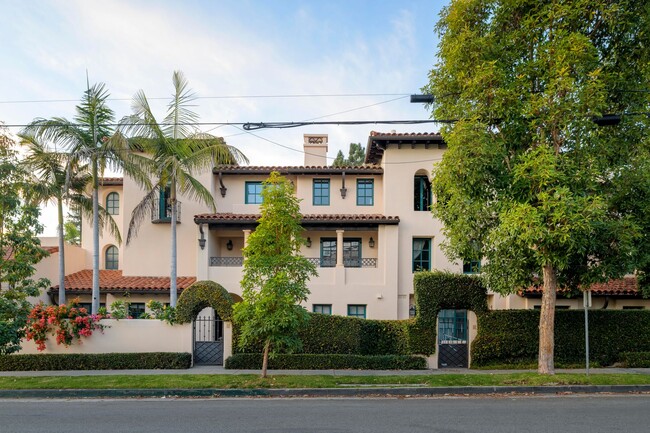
{"type": "Point", "coordinates": [308, 243]}
{"type": "Point", "coordinates": [229, 245]}
{"type": "Point", "coordinates": [371, 242]}
{"type": "Point", "coordinates": [202, 238]}
{"type": "Point", "coordinates": [202, 243]}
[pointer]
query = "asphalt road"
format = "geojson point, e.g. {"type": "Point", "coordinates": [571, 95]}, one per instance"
{"type": "Point", "coordinates": [575, 414]}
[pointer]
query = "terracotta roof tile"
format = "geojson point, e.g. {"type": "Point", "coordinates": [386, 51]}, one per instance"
{"type": "Point", "coordinates": [306, 219]}
{"type": "Point", "coordinates": [297, 169]}
{"type": "Point", "coordinates": [9, 254]}
{"type": "Point", "coordinates": [378, 141]}
{"type": "Point", "coordinates": [404, 134]}
{"type": "Point", "coordinates": [106, 181]}
{"type": "Point", "coordinates": [114, 281]}
{"type": "Point", "coordinates": [627, 286]}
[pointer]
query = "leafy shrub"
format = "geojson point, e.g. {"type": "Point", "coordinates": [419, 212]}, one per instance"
{"type": "Point", "coordinates": [512, 336]}
{"type": "Point", "coordinates": [200, 295]}
{"type": "Point", "coordinates": [96, 361]}
{"type": "Point", "coordinates": [66, 322]}
{"type": "Point", "coordinates": [327, 362]}
{"type": "Point", "coordinates": [160, 311]}
{"type": "Point", "coordinates": [635, 359]}
{"type": "Point", "coordinates": [120, 309]}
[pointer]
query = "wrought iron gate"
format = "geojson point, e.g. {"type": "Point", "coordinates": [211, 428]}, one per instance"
{"type": "Point", "coordinates": [207, 335]}
{"type": "Point", "coordinates": [452, 339]}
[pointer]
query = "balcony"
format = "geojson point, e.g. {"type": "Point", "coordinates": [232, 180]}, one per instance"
{"type": "Point", "coordinates": [318, 262]}
{"type": "Point", "coordinates": [229, 262]}
{"type": "Point", "coordinates": [163, 214]}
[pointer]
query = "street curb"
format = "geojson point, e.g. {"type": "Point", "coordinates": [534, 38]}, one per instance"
{"type": "Point", "coordinates": [318, 392]}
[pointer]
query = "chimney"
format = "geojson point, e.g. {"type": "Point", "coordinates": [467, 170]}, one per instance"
{"type": "Point", "coordinates": [315, 146]}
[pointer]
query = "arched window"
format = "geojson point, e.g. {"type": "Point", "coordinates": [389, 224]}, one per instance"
{"type": "Point", "coordinates": [113, 203]}
{"type": "Point", "coordinates": [112, 258]}
{"type": "Point", "coordinates": [421, 193]}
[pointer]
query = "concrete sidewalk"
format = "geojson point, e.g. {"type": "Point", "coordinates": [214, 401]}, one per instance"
{"type": "Point", "coordinates": [207, 369]}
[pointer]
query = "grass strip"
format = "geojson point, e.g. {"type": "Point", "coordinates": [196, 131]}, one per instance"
{"type": "Point", "coordinates": [248, 381]}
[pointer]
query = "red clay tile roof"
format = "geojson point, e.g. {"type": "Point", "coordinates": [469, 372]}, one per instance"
{"type": "Point", "coordinates": [106, 181]}
{"type": "Point", "coordinates": [51, 250]}
{"type": "Point", "coordinates": [306, 219]}
{"type": "Point", "coordinates": [9, 254]}
{"type": "Point", "coordinates": [627, 286]}
{"type": "Point", "coordinates": [114, 281]}
{"type": "Point", "coordinates": [378, 141]}
{"type": "Point", "coordinates": [315, 170]}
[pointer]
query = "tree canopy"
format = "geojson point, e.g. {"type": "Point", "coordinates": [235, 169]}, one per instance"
{"type": "Point", "coordinates": [531, 183]}
{"type": "Point", "coordinates": [356, 156]}
{"type": "Point", "coordinates": [275, 274]}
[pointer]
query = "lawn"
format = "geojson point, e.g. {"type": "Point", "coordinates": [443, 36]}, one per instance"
{"type": "Point", "coordinates": [248, 381]}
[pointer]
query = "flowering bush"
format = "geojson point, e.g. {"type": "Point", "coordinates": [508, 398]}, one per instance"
{"type": "Point", "coordinates": [65, 322]}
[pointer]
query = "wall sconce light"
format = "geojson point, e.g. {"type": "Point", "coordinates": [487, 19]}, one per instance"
{"type": "Point", "coordinates": [202, 238]}
{"type": "Point", "coordinates": [308, 243]}
{"type": "Point", "coordinates": [229, 245]}
{"type": "Point", "coordinates": [371, 242]}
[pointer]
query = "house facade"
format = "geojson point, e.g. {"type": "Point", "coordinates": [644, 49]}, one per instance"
{"type": "Point", "coordinates": [367, 230]}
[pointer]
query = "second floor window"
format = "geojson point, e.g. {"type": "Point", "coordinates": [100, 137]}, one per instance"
{"type": "Point", "coordinates": [365, 192]}
{"type": "Point", "coordinates": [327, 253]}
{"type": "Point", "coordinates": [111, 260]}
{"type": "Point", "coordinates": [113, 203]}
{"type": "Point", "coordinates": [471, 267]}
{"type": "Point", "coordinates": [421, 254]}
{"type": "Point", "coordinates": [422, 193]}
{"type": "Point", "coordinates": [321, 192]}
{"type": "Point", "coordinates": [253, 193]}
{"type": "Point", "coordinates": [352, 253]}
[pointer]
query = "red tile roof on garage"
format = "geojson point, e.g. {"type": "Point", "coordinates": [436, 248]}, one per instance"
{"type": "Point", "coordinates": [627, 286]}
{"type": "Point", "coordinates": [114, 281]}
{"type": "Point", "coordinates": [306, 219]}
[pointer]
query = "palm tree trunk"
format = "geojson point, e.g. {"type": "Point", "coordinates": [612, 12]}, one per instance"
{"type": "Point", "coordinates": [265, 357]}
{"type": "Point", "coordinates": [59, 205]}
{"type": "Point", "coordinates": [95, 300]}
{"type": "Point", "coordinates": [547, 322]}
{"type": "Point", "coordinates": [172, 277]}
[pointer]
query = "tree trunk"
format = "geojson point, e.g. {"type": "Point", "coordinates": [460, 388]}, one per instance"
{"type": "Point", "coordinates": [265, 358]}
{"type": "Point", "coordinates": [547, 322]}
{"type": "Point", "coordinates": [95, 293]}
{"type": "Point", "coordinates": [173, 290]}
{"type": "Point", "coordinates": [59, 205]}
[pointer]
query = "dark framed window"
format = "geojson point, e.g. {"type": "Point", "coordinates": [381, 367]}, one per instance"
{"type": "Point", "coordinates": [365, 192]}
{"type": "Point", "coordinates": [327, 252]}
{"type": "Point", "coordinates": [321, 192]}
{"type": "Point", "coordinates": [633, 307]}
{"type": "Point", "coordinates": [472, 267]}
{"type": "Point", "coordinates": [352, 253]}
{"type": "Point", "coordinates": [421, 254]}
{"type": "Point", "coordinates": [89, 306]}
{"type": "Point", "coordinates": [422, 193]}
{"type": "Point", "coordinates": [557, 307]}
{"type": "Point", "coordinates": [113, 203]}
{"type": "Point", "coordinates": [136, 309]}
{"type": "Point", "coordinates": [355, 310]}
{"type": "Point", "coordinates": [111, 259]}
{"type": "Point", "coordinates": [165, 206]}
{"type": "Point", "coordinates": [323, 308]}
{"type": "Point", "coordinates": [253, 193]}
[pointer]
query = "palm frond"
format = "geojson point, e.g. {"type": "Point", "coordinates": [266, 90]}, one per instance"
{"type": "Point", "coordinates": [188, 186]}
{"type": "Point", "coordinates": [142, 211]}
{"type": "Point", "coordinates": [180, 118]}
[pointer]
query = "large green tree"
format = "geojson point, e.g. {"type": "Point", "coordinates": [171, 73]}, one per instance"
{"type": "Point", "coordinates": [88, 139]}
{"type": "Point", "coordinates": [356, 156]}
{"type": "Point", "coordinates": [275, 274]}
{"type": "Point", "coordinates": [530, 182]}
{"type": "Point", "coordinates": [19, 248]}
{"type": "Point", "coordinates": [175, 151]}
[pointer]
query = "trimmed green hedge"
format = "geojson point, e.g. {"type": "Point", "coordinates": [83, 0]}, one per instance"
{"type": "Point", "coordinates": [253, 361]}
{"type": "Point", "coordinates": [325, 334]}
{"type": "Point", "coordinates": [512, 336]}
{"type": "Point", "coordinates": [435, 291]}
{"type": "Point", "coordinates": [96, 361]}
{"type": "Point", "coordinates": [635, 359]}
{"type": "Point", "coordinates": [200, 295]}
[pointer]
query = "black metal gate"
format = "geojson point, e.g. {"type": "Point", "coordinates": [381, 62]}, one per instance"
{"type": "Point", "coordinates": [452, 339]}
{"type": "Point", "coordinates": [207, 335]}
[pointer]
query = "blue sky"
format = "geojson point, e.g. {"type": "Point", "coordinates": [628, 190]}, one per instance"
{"type": "Point", "coordinates": [226, 48]}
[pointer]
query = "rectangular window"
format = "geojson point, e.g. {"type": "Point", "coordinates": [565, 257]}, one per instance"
{"type": "Point", "coordinates": [472, 267]}
{"type": "Point", "coordinates": [327, 252]}
{"type": "Point", "coordinates": [632, 307]}
{"type": "Point", "coordinates": [365, 192]}
{"type": "Point", "coordinates": [352, 253]}
{"type": "Point", "coordinates": [422, 193]}
{"type": "Point", "coordinates": [421, 254]}
{"type": "Point", "coordinates": [253, 193]}
{"type": "Point", "coordinates": [321, 192]}
{"type": "Point", "coordinates": [357, 311]}
{"type": "Point", "coordinates": [165, 206]}
{"type": "Point", "coordinates": [136, 309]}
{"type": "Point", "coordinates": [323, 308]}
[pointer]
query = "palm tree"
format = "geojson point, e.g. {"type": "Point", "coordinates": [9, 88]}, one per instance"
{"type": "Point", "coordinates": [58, 181]}
{"type": "Point", "coordinates": [87, 139]}
{"type": "Point", "coordinates": [176, 150]}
